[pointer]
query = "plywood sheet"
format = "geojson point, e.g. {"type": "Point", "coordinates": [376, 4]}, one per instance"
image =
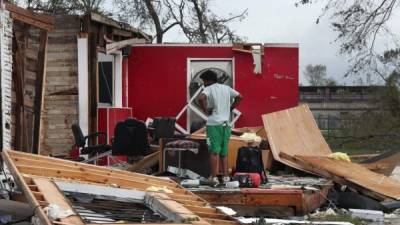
{"type": "Point", "coordinates": [384, 163]}
{"type": "Point", "coordinates": [354, 173]}
{"type": "Point", "coordinates": [294, 132]}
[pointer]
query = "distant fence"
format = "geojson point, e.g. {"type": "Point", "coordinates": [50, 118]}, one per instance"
{"type": "Point", "coordinates": [330, 123]}
{"type": "Point", "coordinates": [332, 127]}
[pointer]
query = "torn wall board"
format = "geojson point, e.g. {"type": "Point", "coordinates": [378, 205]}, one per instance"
{"type": "Point", "coordinates": [294, 132]}
{"type": "Point", "coordinates": [354, 173]}
{"type": "Point", "coordinates": [383, 163]}
{"type": "Point", "coordinates": [26, 168]}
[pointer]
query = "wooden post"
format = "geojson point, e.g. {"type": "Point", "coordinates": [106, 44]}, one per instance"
{"type": "Point", "coordinates": [92, 64]}
{"type": "Point", "coordinates": [93, 82]}
{"type": "Point", "coordinates": [19, 84]}
{"type": "Point", "coordinates": [39, 90]}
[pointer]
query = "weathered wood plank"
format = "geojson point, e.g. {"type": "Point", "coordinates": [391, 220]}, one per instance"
{"type": "Point", "coordinates": [26, 16]}
{"type": "Point", "coordinates": [39, 90]}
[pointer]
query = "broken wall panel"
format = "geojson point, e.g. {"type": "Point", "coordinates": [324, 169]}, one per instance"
{"type": "Point", "coordinates": [22, 50]}
{"type": "Point", "coordinates": [61, 91]}
{"type": "Point", "coordinates": [25, 49]}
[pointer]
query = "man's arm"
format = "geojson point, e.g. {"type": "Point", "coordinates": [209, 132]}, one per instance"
{"type": "Point", "coordinates": [236, 101]}
{"type": "Point", "coordinates": [203, 103]}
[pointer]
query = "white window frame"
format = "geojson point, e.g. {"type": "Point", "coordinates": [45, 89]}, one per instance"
{"type": "Point", "coordinates": [116, 59]}
{"type": "Point", "coordinates": [189, 107]}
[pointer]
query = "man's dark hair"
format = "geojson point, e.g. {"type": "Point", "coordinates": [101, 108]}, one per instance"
{"type": "Point", "coordinates": [209, 75]}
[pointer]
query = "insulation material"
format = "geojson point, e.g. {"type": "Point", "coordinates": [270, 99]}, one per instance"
{"type": "Point", "coordinates": [257, 60]}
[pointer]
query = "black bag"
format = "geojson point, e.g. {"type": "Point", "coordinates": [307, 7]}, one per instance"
{"type": "Point", "coordinates": [249, 160]}
{"type": "Point", "coordinates": [130, 138]}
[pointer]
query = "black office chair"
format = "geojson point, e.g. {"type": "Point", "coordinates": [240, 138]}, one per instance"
{"type": "Point", "coordinates": [84, 143]}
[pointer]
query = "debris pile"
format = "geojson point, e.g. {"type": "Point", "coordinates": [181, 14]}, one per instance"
{"type": "Point", "coordinates": [310, 178]}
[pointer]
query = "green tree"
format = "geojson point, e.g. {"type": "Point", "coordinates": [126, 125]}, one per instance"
{"type": "Point", "coordinates": [316, 75]}
{"type": "Point", "coordinates": [193, 17]}
{"type": "Point", "coordinates": [379, 128]}
{"type": "Point", "coordinates": [64, 6]}
{"type": "Point", "coordinates": [358, 24]}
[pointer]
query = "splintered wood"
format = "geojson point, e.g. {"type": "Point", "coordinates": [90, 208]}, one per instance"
{"type": "Point", "coordinates": [355, 173]}
{"type": "Point", "coordinates": [35, 175]}
{"type": "Point", "coordinates": [296, 141]}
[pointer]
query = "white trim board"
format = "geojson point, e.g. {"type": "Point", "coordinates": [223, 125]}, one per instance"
{"type": "Point", "coordinates": [83, 84]}
{"type": "Point", "coordinates": [117, 79]}
{"type": "Point", "coordinates": [281, 45]}
{"type": "Point", "coordinates": [277, 45]}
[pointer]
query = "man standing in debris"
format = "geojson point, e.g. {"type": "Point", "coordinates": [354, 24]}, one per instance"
{"type": "Point", "coordinates": [216, 102]}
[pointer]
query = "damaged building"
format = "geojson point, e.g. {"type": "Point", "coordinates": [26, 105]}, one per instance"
{"type": "Point", "coordinates": [66, 79]}
{"type": "Point", "coordinates": [50, 67]}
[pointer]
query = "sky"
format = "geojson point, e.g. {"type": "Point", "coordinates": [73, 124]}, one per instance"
{"type": "Point", "coordinates": [280, 21]}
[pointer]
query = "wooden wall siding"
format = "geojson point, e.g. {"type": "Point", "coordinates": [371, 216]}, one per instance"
{"type": "Point", "coordinates": [61, 90]}
{"type": "Point", "coordinates": [25, 52]}
{"type": "Point", "coordinates": [5, 75]}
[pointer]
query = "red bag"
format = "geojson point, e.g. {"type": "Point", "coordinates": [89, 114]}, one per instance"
{"type": "Point", "coordinates": [251, 180]}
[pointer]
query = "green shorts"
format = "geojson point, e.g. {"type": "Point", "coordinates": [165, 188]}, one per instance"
{"type": "Point", "coordinates": [218, 139]}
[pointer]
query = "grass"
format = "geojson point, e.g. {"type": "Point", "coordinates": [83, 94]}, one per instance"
{"type": "Point", "coordinates": [351, 146]}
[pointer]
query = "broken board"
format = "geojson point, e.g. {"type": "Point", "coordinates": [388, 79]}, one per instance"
{"type": "Point", "coordinates": [296, 141]}
{"type": "Point", "coordinates": [354, 173]}
{"type": "Point", "coordinates": [31, 171]}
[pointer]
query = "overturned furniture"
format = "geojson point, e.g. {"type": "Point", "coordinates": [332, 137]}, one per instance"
{"type": "Point", "coordinates": [296, 141]}
{"type": "Point", "coordinates": [49, 183]}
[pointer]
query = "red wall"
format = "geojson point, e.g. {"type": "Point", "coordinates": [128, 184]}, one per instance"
{"type": "Point", "coordinates": [109, 117]}
{"type": "Point", "coordinates": [157, 80]}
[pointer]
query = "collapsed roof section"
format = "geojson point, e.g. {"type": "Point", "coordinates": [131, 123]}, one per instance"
{"type": "Point", "coordinates": [44, 180]}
